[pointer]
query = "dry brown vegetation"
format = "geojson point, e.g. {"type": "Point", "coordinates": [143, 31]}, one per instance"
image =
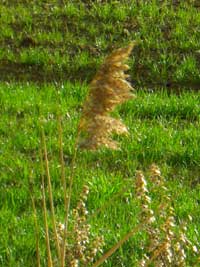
{"type": "Point", "coordinates": [108, 89]}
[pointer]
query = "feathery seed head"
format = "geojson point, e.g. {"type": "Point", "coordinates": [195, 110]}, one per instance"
{"type": "Point", "coordinates": [107, 90]}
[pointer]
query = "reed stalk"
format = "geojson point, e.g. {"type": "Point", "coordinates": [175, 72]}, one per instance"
{"type": "Point", "coordinates": [53, 217]}
{"type": "Point", "coordinates": [35, 220]}
{"type": "Point", "coordinates": [47, 239]}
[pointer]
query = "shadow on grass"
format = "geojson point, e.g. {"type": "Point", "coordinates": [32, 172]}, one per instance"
{"type": "Point", "coordinates": [40, 73]}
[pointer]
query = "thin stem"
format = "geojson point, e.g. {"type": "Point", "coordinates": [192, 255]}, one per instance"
{"type": "Point", "coordinates": [50, 195]}
{"type": "Point", "coordinates": [35, 222]}
{"type": "Point", "coordinates": [67, 198]}
{"type": "Point", "coordinates": [63, 179]}
{"type": "Point", "coordinates": [116, 246]}
{"type": "Point", "coordinates": [71, 178]}
{"type": "Point", "coordinates": [49, 258]}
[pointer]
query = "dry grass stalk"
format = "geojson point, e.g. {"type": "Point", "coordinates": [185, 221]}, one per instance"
{"type": "Point", "coordinates": [50, 195]}
{"type": "Point", "coordinates": [64, 186]}
{"type": "Point", "coordinates": [35, 220]}
{"type": "Point", "coordinates": [68, 203]}
{"type": "Point", "coordinates": [47, 239]}
{"type": "Point", "coordinates": [108, 89]}
{"type": "Point", "coordinates": [117, 246]}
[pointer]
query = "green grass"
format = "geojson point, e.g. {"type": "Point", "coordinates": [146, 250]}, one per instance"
{"type": "Point", "coordinates": [163, 129]}
{"type": "Point", "coordinates": [48, 54]}
{"type": "Point", "coordinates": [47, 41]}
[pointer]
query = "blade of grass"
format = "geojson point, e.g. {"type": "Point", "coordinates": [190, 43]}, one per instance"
{"type": "Point", "coordinates": [50, 194]}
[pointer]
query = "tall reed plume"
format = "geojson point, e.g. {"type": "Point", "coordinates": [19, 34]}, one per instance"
{"type": "Point", "coordinates": [108, 89]}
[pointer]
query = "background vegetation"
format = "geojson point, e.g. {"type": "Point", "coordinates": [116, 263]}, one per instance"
{"type": "Point", "coordinates": [49, 53]}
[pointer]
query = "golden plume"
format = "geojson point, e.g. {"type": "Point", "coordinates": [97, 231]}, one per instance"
{"type": "Point", "coordinates": [108, 89]}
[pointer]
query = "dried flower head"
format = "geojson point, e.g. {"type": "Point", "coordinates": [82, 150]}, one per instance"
{"type": "Point", "coordinates": [81, 245]}
{"type": "Point", "coordinates": [142, 194]}
{"type": "Point", "coordinates": [108, 89]}
{"type": "Point", "coordinates": [167, 241]}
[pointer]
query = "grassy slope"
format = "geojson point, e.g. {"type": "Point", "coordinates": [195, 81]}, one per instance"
{"type": "Point", "coordinates": [164, 128]}
{"type": "Point", "coordinates": [47, 41]}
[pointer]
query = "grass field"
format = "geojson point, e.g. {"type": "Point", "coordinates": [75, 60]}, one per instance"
{"type": "Point", "coordinates": [49, 53]}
